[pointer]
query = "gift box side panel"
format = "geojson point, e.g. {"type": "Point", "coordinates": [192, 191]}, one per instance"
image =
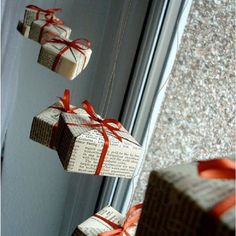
{"type": "Point", "coordinates": [45, 58]}
{"type": "Point", "coordinates": [41, 131]}
{"type": "Point", "coordinates": [60, 132]}
{"type": "Point", "coordinates": [94, 225]}
{"type": "Point", "coordinates": [30, 16]}
{"type": "Point", "coordinates": [44, 126]}
{"type": "Point", "coordinates": [168, 211]}
{"type": "Point", "coordinates": [82, 60]}
{"type": "Point", "coordinates": [23, 29]}
{"type": "Point", "coordinates": [66, 143]}
{"type": "Point", "coordinates": [78, 232]}
{"type": "Point", "coordinates": [65, 67]}
{"type": "Point", "coordinates": [34, 31]}
{"type": "Point", "coordinates": [121, 158]}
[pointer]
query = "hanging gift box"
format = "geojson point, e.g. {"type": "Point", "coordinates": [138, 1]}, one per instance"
{"type": "Point", "coordinates": [93, 145]}
{"type": "Point", "coordinates": [179, 201]}
{"type": "Point", "coordinates": [65, 57]}
{"type": "Point", "coordinates": [33, 13]}
{"type": "Point", "coordinates": [109, 222]}
{"type": "Point", "coordinates": [23, 29]}
{"type": "Point", "coordinates": [45, 124]}
{"type": "Point", "coordinates": [51, 27]}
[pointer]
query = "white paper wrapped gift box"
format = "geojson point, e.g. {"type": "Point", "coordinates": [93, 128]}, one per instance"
{"type": "Point", "coordinates": [33, 13]}
{"type": "Point", "coordinates": [45, 124]}
{"type": "Point", "coordinates": [110, 220]}
{"type": "Point", "coordinates": [65, 57]}
{"type": "Point", "coordinates": [178, 201]}
{"type": "Point", "coordinates": [92, 145]}
{"type": "Point", "coordinates": [48, 28]}
{"type": "Point", "coordinates": [23, 29]}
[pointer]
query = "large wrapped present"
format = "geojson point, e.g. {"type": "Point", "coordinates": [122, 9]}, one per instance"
{"type": "Point", "coordinates": [33, 13]}
{"type": "Point", "coordinates": [45, 124]}
{"type": "Point", "coordinates": [109, 222]}
{"type": "Point", "coordinates": [23, 29]}
{"type": "Point", "coordinates": [48, 28]}
{"type": "Point", "coordinates": [181, 201]}
{"type": "Point", "coordinates": [93, 145]}
{"type": "Point", "coordinates": [65, 57]}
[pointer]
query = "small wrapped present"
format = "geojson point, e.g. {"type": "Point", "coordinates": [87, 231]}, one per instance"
{"type": "Point", "coordinates": [65, 57]}
{"type": "Point", "coordinates": [23, 29]}
{"type": "Point", "coordinates": [33, 13]}
{"type": "Point", "coordinates": [109, 222]}
{"type": "Point", "coordinates": [47, 29]}
{"type": "Point", "coordinates": [93, 145]}
{"type": "Point", "coordinates": [179, 201]}
{"type": "Point", "coordinates": [45, 124]}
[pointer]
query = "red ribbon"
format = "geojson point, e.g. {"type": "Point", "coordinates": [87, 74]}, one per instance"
{"type": "Point", "coordinates": [76, 44]}
{"type": "Point", "coordinates": [131, 220]}
{"type": "Point", "coordinates": [51, 20]}
{"type": "Point", "coordinates": [65, 108]}
{"type": "Point", "coordinates": [48, 11]}
{"type": "Point", "coordinates": [65, 103]}
{"type": "Point", "coordinates": [103, 124]}
{"type": "Point", "coordinates": [219, 169]}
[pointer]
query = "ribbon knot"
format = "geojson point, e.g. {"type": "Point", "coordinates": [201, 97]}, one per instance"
{"type": "Point", "coordinates": [131, 220]}
{"type": "Point", "coordinates": [105, 124]}
{"type": "Point", "coordinates": [51, 19]}
{"type": "Point", "coordinates": [65, 100]}
{"type": "Point", "coordinates": [219, 169]}
{"type": "Point", "coordinates": [78, 44]}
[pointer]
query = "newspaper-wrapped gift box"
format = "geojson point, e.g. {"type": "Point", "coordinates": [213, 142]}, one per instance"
{"type": "Point", "coordinates": [96, 225]}
{"type": "Point", "coordinates": [81, 147]}
{"type": "Point", "coordinates": [33, 13]}
{"type": "Point", "coordinates": [178, 200]}
{"type": "Point", "coordinates": [23, 29]}
{"type": "Point", "coordinates": [48, 28]}
{"type": "Point", "coordinates": [45, 125]}
{"type": "Point", "coordinates": [65, 57]}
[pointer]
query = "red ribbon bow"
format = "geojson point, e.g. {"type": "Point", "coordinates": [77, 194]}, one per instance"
{"type": "Point", "coordinates": [65, 103]}
{"type": "Point", "coordinates": [51, 20]}
{"type": "Point", "coordinates": [219, 169]}
{"type": "Point", "coordinates": [131, 220]}
{"type": "Point", "coordinates": [48, 11]}
{"type": "Point", "coordinates": [76, 44]}
{"type": "Point", "coordinates": [110, 124]}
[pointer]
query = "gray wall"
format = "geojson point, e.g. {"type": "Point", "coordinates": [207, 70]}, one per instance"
{"type": "Point", "coordinates": [38, 196]}
{"type": "Point", "coordinates": [34, 185]}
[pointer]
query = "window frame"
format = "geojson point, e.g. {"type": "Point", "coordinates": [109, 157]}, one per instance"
{"type": "Point", "coordinates": [146, 82]}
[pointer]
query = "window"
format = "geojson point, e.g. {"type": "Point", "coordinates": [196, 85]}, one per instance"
{"type": "Point", "coordinates": [156, 57]}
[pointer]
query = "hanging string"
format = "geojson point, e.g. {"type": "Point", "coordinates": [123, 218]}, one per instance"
{"type": "Point", "coordinates": [109, 91]}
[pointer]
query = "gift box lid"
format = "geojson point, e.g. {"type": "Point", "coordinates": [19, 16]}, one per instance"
{"type": "Point", "coordinates": [71, 54]}
{"type": "Point", "coordinates": [59, 29]}
{"type": "Point", "coordinates": [83, 118]}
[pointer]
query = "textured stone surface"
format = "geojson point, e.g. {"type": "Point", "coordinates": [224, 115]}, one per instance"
{"type": "Point", "coordinates": [197, 119]}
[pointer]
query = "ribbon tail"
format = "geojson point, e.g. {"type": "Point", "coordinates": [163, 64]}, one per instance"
{"type": "Point", "coordinates": [115, 232]}
{"type": "Point", "coordinates": [103, 153]}
{"type": "Point", "coordinates": [217, 169]}
{"type": "Point", "coordinates": [224, 205]}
